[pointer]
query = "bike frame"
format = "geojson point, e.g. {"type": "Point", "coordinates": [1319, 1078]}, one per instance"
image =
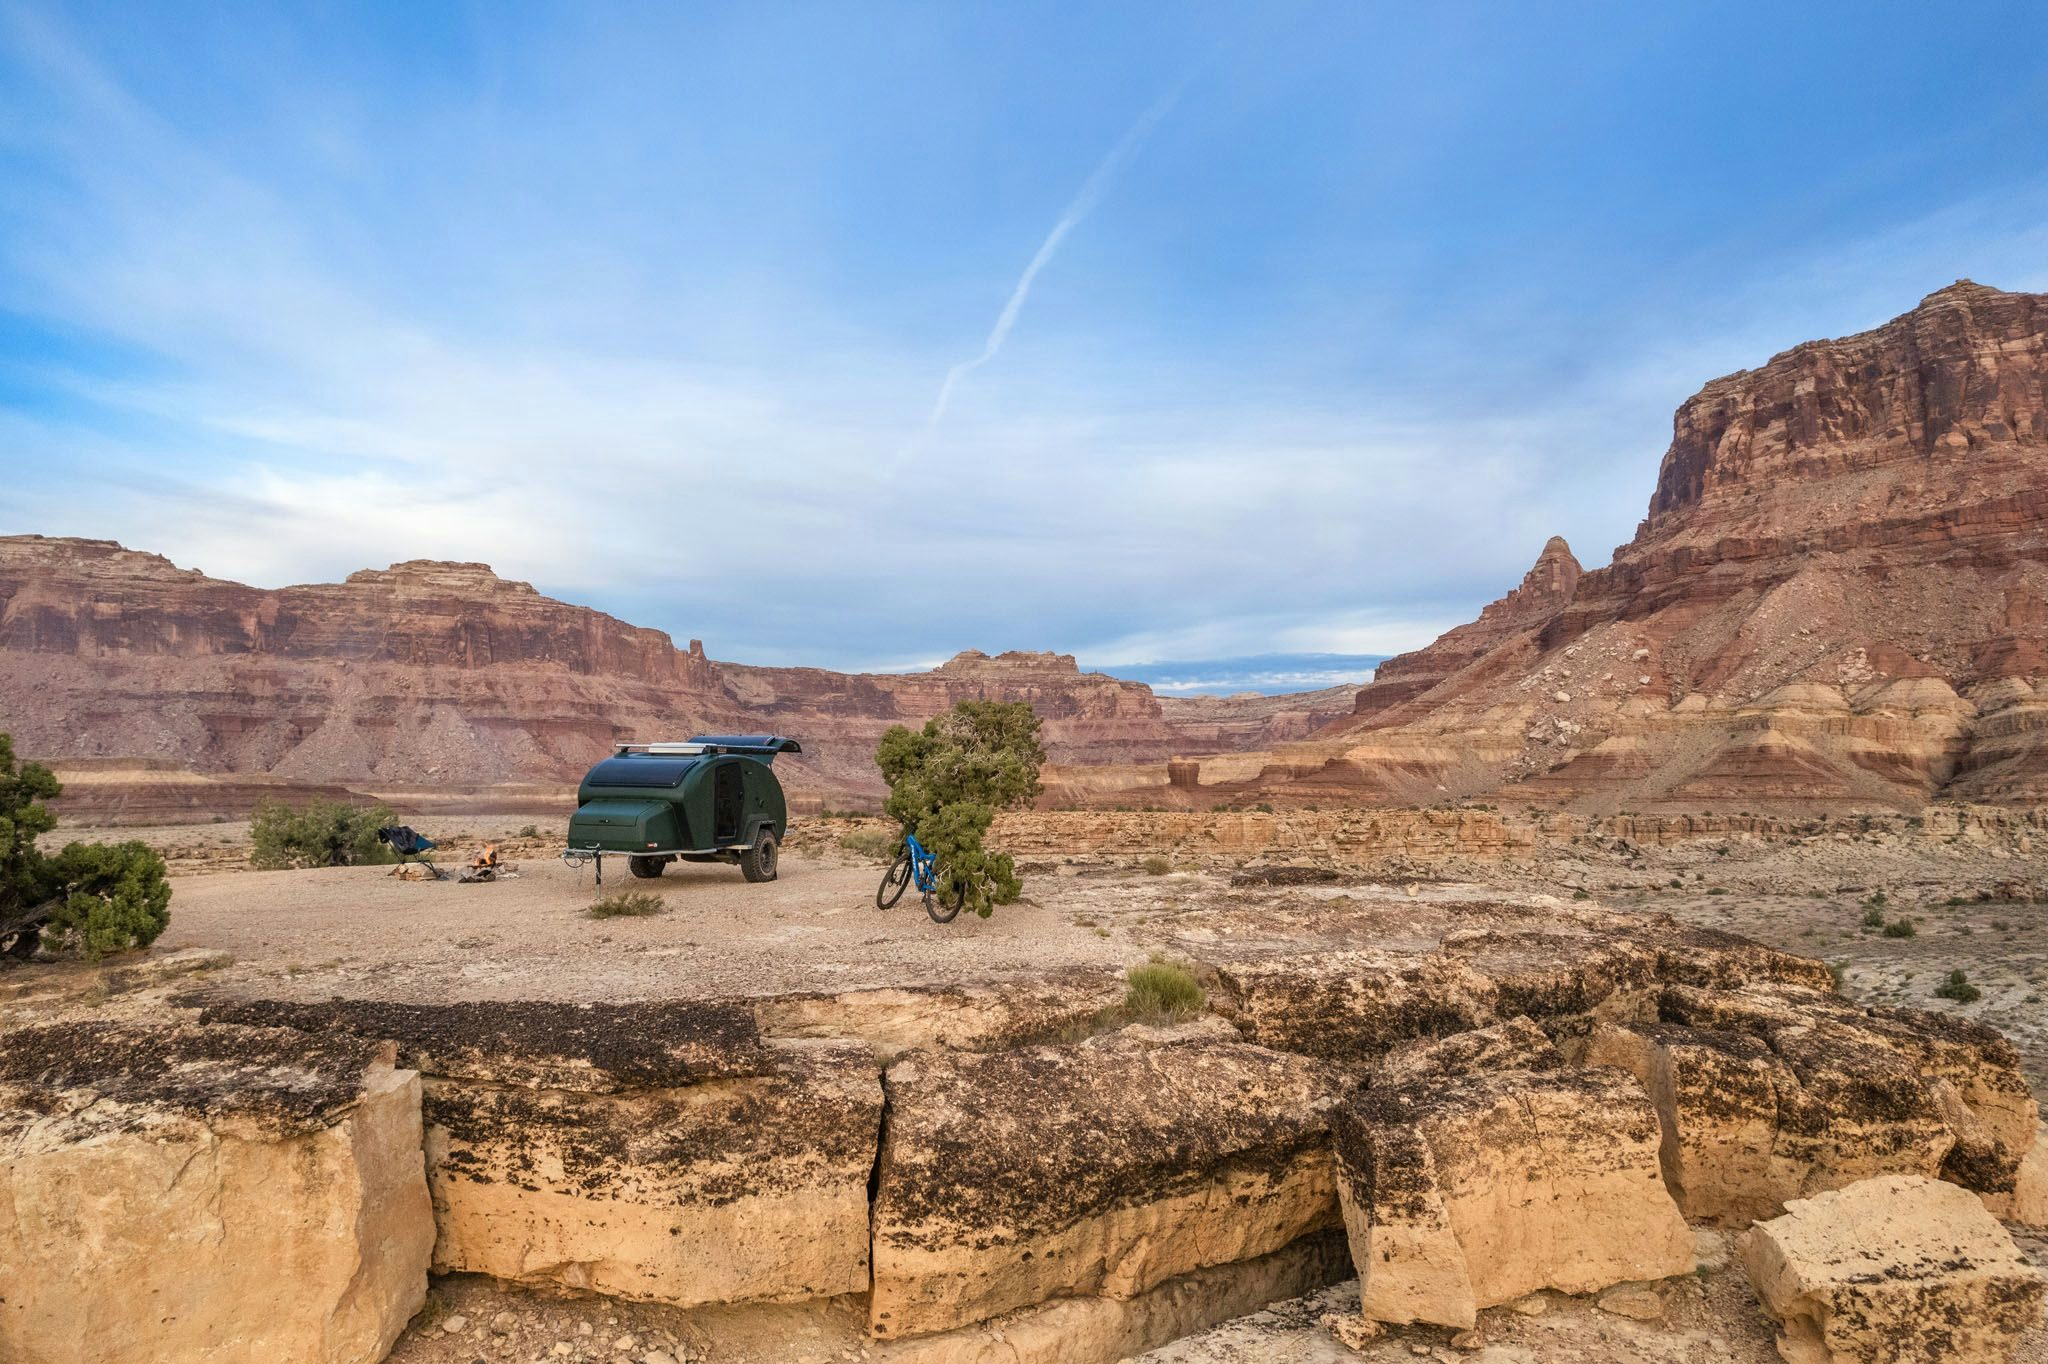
{"type": "Point", "coordinates": [923, 866]}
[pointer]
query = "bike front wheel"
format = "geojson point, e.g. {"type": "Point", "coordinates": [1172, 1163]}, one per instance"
{"type": "Point", "coordinates": [894, 881]}
{"type": "Point", "coordinates": [942, 907]}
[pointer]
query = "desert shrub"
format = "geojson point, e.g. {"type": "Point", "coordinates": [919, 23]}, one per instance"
{"type": "Point", "coordinates": [1958, 988]}
{"type": "Point", "coordinates": [1582, 894]}
{"type": "Point", "coordinates": [1876, 899]}
{"type": "Point", "coordinates": [1839, 970]}
{"type": "Point", "coordinates": [1900, 927]}
{"type": "Point", "coordinates": [110, 897]}
{"type": "Point", "coordinates": [24, 874]}
{"type": "Point", "coordinates": [1156, 865]}
{"type": "Point", "coordinates": [948, 780]}
{"type": "Point", "coordinates": [320, 833]}
{"type": "Point", "coordinates": [529, 831]}
{"type": "Point", "coordinates": [1873, 917]}
{"type": "Point", "coordinates": [1160, 991]}
{"type": "Point", "coordinates": [870, 843]}
{"type": "Point", "coordinates": [91, 898]}
{"type": "Point", "coordinates": [627, 904]}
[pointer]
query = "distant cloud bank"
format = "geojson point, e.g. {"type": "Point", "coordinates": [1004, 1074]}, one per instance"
{"type": "Point", "coordinates": [1268, 674]}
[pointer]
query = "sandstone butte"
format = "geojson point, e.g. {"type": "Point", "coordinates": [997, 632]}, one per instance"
{"type": "Point", "coordinates": [1461, 1102]}
{"type": "Point", "coordinates": [1839, 597]}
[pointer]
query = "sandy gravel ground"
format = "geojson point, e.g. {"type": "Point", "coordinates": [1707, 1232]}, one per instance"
{"type": "Point", "coordinates": [358, 930]}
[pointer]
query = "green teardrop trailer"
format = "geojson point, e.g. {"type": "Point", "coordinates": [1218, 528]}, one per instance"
{"type": "Point", "coordinates": [711, 799]}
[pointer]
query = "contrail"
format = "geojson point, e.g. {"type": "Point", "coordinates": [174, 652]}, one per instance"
{"type": "Point", "coordinates": [1078, 209]}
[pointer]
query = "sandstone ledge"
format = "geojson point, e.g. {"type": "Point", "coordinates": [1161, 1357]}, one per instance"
{"type": "Point", "coordinates": [158, 1185]}
{"type": "Point", "coordinates": [1104, 1168]}
{"type": "Point", "coordinates": [749, 1188]}
{"type": "Point", "coordinates": [1097, 1330]}
{"type": "Point", "coordinates": [1463, 1187]}
{"type": "Point", "coordinates": [1769, 1093]}
{"type": "Point", "coordinates": [595, 1047]}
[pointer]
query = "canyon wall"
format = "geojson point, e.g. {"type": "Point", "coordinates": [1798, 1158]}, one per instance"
{"type": "Point", "coordinates": [1839, 596]}
{"type": "Point", "coordinates": [445, 675]}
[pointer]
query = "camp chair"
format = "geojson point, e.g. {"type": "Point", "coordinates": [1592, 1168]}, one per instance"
{"type": "Point", "coordinates": [407, 842]}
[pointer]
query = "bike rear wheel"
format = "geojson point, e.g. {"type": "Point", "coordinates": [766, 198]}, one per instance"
{"type": "Point", "coordinates": [894, 881]}
{"type": "Point", "coordinates": [944, 908]}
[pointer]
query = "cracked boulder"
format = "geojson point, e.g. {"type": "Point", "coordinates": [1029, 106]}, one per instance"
{"type": "Point", "coordinates": [159, 1185]}
{"type": "Point", "coordinates": [1103, 1168]}
{"type": "Point", "coordinates": [1465, 1186]}
{"type": "Point", "coordinates": [1894, 1270]}
{"type": "Point", "coordinates": [1771, 1093]}
{"type": "Point", "coordinates": [660, 1151]}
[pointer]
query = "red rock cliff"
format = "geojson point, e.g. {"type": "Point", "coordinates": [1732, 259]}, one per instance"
{"type": "Point", "coordinates": [431, 673]}
{"type": "Point", "coordinates": [1840, 593]}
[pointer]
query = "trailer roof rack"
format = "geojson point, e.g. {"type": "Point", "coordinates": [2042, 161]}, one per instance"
{"type": "Point", "coordinates": [767, 744]}
{"type": "Point", "coordinates": [754, 745]}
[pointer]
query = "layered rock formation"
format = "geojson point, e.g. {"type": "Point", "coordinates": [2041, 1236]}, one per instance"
{"type": "Point", "coordinates": [157, 1185]}
{"type": "Point", "coordinates": [1840, 595]}
{"type": "Point", "coordinates": [659, 1152]}
{"type": "Point", "coordinates": [1478, 1099]}
{"type": "Point", "coordinates": [1479, 1170]}
{"type": "Point", "coordinates": [443, 674]}
{"type": "Point", "coordinates": [1105, 1169]}
{"type": "Point", "coordinates": [1771, 1093]}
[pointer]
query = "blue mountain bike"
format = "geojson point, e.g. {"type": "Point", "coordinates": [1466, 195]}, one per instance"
{"type": "Point", "coordinates": [916, 865]}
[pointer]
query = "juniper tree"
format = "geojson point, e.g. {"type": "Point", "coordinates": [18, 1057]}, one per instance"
{"type": "Point", "coordinates": [948, 780]}
{"type": "Point", "coordinates": [93, 898]}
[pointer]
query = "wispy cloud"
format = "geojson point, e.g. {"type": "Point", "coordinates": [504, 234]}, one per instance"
{"type": "Point", "coordinates": [652, 342]}
{"type": "Point", "coordinates": [1077, 210]}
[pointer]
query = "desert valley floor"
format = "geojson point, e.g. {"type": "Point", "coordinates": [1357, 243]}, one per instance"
{"type": "Point", "coordinates": [815, 959]}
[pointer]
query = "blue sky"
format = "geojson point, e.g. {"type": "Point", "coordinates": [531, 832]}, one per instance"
{"type": "Point", "coordinates": [1273, 330]}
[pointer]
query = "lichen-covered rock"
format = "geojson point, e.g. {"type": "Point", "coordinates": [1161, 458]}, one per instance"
{"type": "Point", "coordinates": [1894, 1270]}
{"type": "Point", "coordinates": [659, 1151]}
{"type": "Point", "coordinates": [1465, 1191]}
{"type": "Point", "coordinates": [1352, 980]}
{"type": "Point", "coordinates": [968, 1017]}
{"type": "Point", "coordinates": [1517, 1044]}
{"type": "Point", "coordinates": [730, 1190]}
{"type": "Point", "coordinates": [237, 1195]}
{"type": "Point", "coordinates": [1105, 1167]}
{"type": "Point", "coordinates": [1774, 1092]}
{"type": "Point", "coordinates": [537, 1043]}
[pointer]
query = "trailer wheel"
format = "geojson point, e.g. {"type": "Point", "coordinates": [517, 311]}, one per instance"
{"type": "Point", "coordinates": [758, 862]}
{"type": "Point", "coordinates": [646, 868]}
